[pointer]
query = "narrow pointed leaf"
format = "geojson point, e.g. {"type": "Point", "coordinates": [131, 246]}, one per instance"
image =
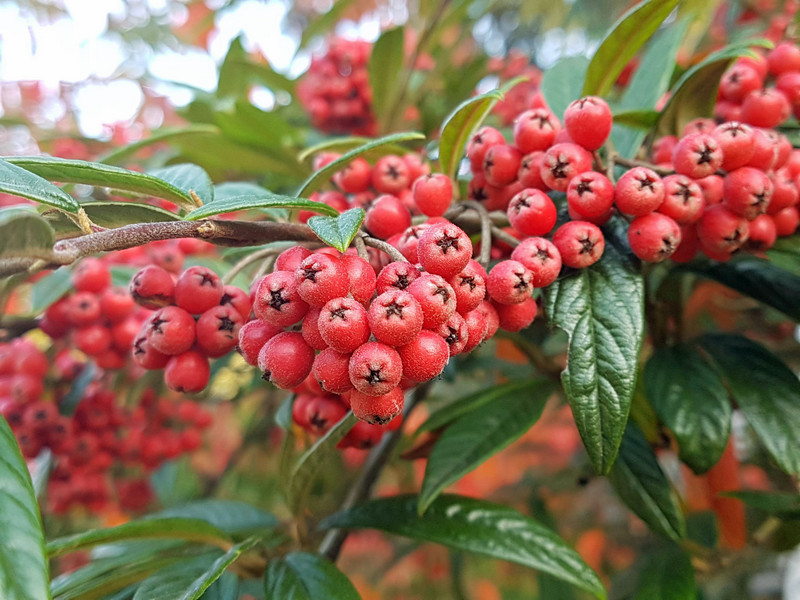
{"type": "Point", "coordinates": [338, 232]}
{"type": "Point", "coordinates": [24, 233]}
{"type": "Point", "coordinates": [262, 200]}
{"type": "Point", "coordinates": [21, 182]}
{"type": "Point", "coordinates": [667, 574]}
{"type": "Point", "coordinates": [306, 576]}
{"type": "Point", "coordinates": [229, 516]}
{"type": "Point", "coordinates": [386, 71]}
{"type": "Point", "coordinates": [163, 136]}
{"type": "Point", "coordinates": [562, 83]}
{"type": "Point", "coordinates": [783, 504]}
{"type": "Point", "coordinates": [188, 177]}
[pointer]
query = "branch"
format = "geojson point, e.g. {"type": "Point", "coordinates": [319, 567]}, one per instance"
{"type": "Point", "coordinates": [393, 252]}
{"type": "Point", "coordinates": [505, 237]}
{"type": "Point", "coordinates": [486, 231]}
{"type": "Point", "coordinates": [625, 162]}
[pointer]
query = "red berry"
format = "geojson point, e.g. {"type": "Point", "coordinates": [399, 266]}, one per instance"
{"type": "Point", "coordinates": [562, 162]}
{"type": "Point", "coordinates": [395, 317]}
{"type": "Point", "coordinates": [198, 289]}
{"type": "Point", "coordinates": [91, 275]}
{"type": "Point", "coordinates": [310, 330]}
{"type": "Point", "coordinates": [765, 108]}
{"type": "Point", "coordinates": [92, 339]}
{"type": "Point", "coordinates": [747, 192]}
{"type": "Point", "coordinates": [638, 192]}
{"type": "Point", "coordinates": [469, 286]}
{"type": "Point", "coordinates": [218, 330]}
{"type": "Point", "coordinates": [322, 413]}
{"type": "Point", "coordinates": [509, 282]}
{"type": "Point", "coordinates": [541, 258]}
{"type": "Point", "coordinates": [387, 216]}
{"type": "Point", "coordinates": [444, 249]}
{"type": "Point", "coordinates": [500, 164]}
{"type": "Point", "coordinates": [320, 278]}
{"type": "Point", "coordinates": [361, 276]}
{"type": "Point", "coordinates": [783, 57]}
{"type": "Point", "coordinates": [477, 328]}
{"type": "Point", "coordinates": [286, 360]}
{"type": "Point", "coordinates": [152, 287]}
{"type": "Point", "coordinates": [683, 199]}
{"type": "Point", "coordinates": [436, 297]}
{"type": "Point", "coordinates": [580, 243]}
{"type": "Point", "coordinates": [654, 237]}
{"type": "Point", "coordinates": [736, 142]}
{"type": "Point", "coordinates": [116, 304]}
{"type": "Point", "coordinates": [532, 212]}
{"type": "Point", "coordinates": [739, 81]}
{"type": "Point", "coordinates": [390, 175]}
{"type": "Point", "coordinates": [516, 317]}
{"type": "Point", "coordinates": [145, 355]}
{"type": "Point", "coordinates": [590, 194]}
{"type": "Point", "coordinates": [375, 368]}
{"type": "Point", "coordinates": [277, 301]}
{"type": "Point", "coordinates": [588, 122]}
{"type": "Point", "coordinates": [171, 330]}
{"type": "Point", "coordinates": [290, 259]}
{"type": "Point", "coordinates": [784, 191]}
{"type": "Point", "coordinates": [425, 357]}
{"type": "Point", "coordinates": [377, 410]}
{"type": "Point", "coordinates": [332, 370]}
{"type": "Point", "coordinates": [397, 275]}
{"type": "Point", "coordinates": [786, 221]}
{"type": "Point", "coordinates": [762, 233]}
{"type": "Point", "coordinates": [535, 130]}
{"type": "Point", "coordinates": [433, 194]}
{"type": "Point", "coordinates": [697, 155]}
{"type": "Point", "coordinates": [765, 151]}
{"type": "Point", "coordinates": [237, 299]}
{"type": "Point", "coordinates": [720, 230]}
{"type": "Point", "coordinates": [479, 144]}
{"type": "Point", "coordinates": [455, 332]}
{"type": "Point", "coordinates": [343, 324]}
{"type": "Point", "coordinates": [492, 318]}
{"type": "Point", "coordinates": [530, 171]}
{"type": "Point", "coordinates": [187, 372]}
{"type": "Point", "coordinates": [84, 308]}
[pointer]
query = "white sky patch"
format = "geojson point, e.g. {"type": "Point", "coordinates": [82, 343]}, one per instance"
{"type": "Point", "coordinates": [105, 104]}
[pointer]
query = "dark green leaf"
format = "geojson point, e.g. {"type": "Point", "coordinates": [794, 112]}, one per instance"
{"type": "Point", "coordinates": [562, 83]}
{"type": "Point", "coordinates": [667, 574]}
{"type": "Point", "coordinates": [386, 72]}
{"type": "Point", "coordinates": [229, 516]}
{"type": "Point", "coordinates": [24, 233]}
{"type": "Point", "coordinates": [188, 580]}
{"type": "Point", "coordinates": [766, 391]}
{"type": "Point", "coordinates": [173, 528]}
{"type": "Point", "coordinates": [24, 573]}
{"type": "Point", "coordinates": [689, 397]}
{"type": "Point", "coordinates": [474, 526]}
{"type": "Point", "coordinates": [342, 144]}
{"type": "Point", "coordinates": [785, 253]}
{"type": "Point", "coordinates": [644, 487]}
{"type": "Point", "coordinates": [263, 200]}
{"type": "Point", "coordinates": [21, 182]}
{"type": "Point", "coordinates": [305, 576]}
{"type": "Point", "coordinates": [338, 232]}
{"type": "Point", "coordinates": [622, 43]}
{"type": "Point", "coordinates": [313, 459]}
{"type": "Point", "coordinates": [757, 278]}
{"type": "Point", "coordinates": [102, 175]}
{"type": "Point", "coordinates": [230, 189]}
{"type": "Point", "coordinates": [313, 183]}
{"type": "Point", "coordinates": [161, 136]}
{"type": "Point", "coordinates": [49, 289]}
{"type": "Point", "coordinates": [189, 178]}
{"type": "Point", "coordinates": [638, 119]}
{"type": "Point", "coordinates": [601, 309]}
{"type": "Point", "coordinates": [496, 394]}
{"type": "Point", "coordinates": [473, 438]}
{"type": "Point", "coordinates": [783, 504]}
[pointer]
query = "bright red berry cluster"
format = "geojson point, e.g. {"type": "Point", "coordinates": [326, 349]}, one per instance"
{"type": "Point", "coordinates": [196, 317]}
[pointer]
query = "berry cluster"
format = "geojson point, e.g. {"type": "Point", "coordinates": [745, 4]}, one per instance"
{"type": "Point", "coordinates": [196, 317]}
{"type": "Point", "coordinates": [335, 90]}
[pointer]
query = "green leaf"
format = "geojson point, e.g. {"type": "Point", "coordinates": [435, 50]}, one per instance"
{"type": "Point", "coordinates": [313, 183]}
{"type": "Point", "coordinates": [101, 175]}
{"type": "Point", "coordinates": [323, 23]}
{"type": "Point", "coordinates": [620, 45]}
{"type": "Point", "coordinates": [497, 394]}
{"type": "Point", "coordinates": [173, 528]}
{"type": "Point", "coordinates": [644, 487]}
{"type": "Point", "coordinates": [77, 390]}
{"type": "Point", "coordinates": [602, 310]}
{"type": "Point", "coordinates": [25, 234]}
{"type": "Point", "coordinates": [648, 84]}
{"type": "Point", "coordinates": [642, 119]}
{"type": "Point", "coordinates": [766, 391]}
{"type": "Point", "coordinates": [340, 144]}
{"type": "Point", "coordinates": [386, 72]}
{"type": "Point", "coordinates": [229, 516]}
{"type": "Point", "coordinates": [313, 459]}
{"type": "Point", "coordinates": [338, 232]}
{"type": "Point", "coordinates": [265, 199]}
{"type": "Point", "coordinates": [110, 215]}
{"type": "Point", "coordinates": [24, 573]}
{"type": "Point", "coordinates": [689, 397]}
{"type": "Point", "coordinates": [190, 579]}
{"type": "Point", "coordinates": [757, 278]}
{"type": "Point", "coordinates": [474, 526]}
{"type": "Point", "coordinates": [306, 576]}
{"type": "Point", "coordinates": [21, 182]}
{"type": "Point", "coordinates": [49, 289]}
{"type": "Point", "coordinates": [562, 83]}
{"type": "Point", "coordinates": [162, 136]}
{"type": "Point", "coordinates": [266, 76]}
{"type": "Point", "coordinates": [667, 574]}
{"type": "Point", "coordinates": [473, 438]}
{"type": "Point", "coordinates": [783, 504]}
{"type": "Point", "coordinates": [189, 178]}
{"type": "Point", "coordinates": [459, 127]}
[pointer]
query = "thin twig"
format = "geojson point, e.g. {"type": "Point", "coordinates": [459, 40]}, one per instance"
{"type": "Point", "coordinates": [393, 252]}
{"type": "Point", "coordinates": [361, 247]}
{"type": "Point", "coordinates": [505, 237]}
{"type": "Point", "coordinates": [248, 260]}
{"type": "Point", "coordinates": [630, 163]}
{"type": "Point", "coordinates": [486, 231]}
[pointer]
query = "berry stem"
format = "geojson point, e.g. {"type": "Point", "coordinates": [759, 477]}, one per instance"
{"type": "Point", "coordinates": [505, 237]}
{"type": "Point", "coordinates": [393, 252]}
{"type": "Point", "coordinates": [361, 247]}
{"type": "Point", "coordinates": [248, 260]}
{"type": "Point", "coordinates": [486, 231]}
{"type": "Point", "coordinates": [616, 159]}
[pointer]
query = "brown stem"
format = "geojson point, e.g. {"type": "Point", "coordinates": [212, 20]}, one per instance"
{"type": "Point", "coordinates": [248, 260]}
{"type": "Point", "coordinates": [505, 237]}
{"type": "Point", "coordinates": [361, 247]}
{"type": "Point", "coordinates": [486, 231]}
{"type": "Point", "coordinates": [630, 163]}
{"type": "Point", "coordinates": [385, 247]}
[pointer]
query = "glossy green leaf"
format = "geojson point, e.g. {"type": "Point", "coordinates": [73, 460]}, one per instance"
{"type": "Point", "coordinates": [102, 175]}
{"type": "Point", "coordinates": [459, 127]}
{"type": "Point", "coordinates": [25, 234]}
{"type": "Point", "coordinates": [622, 43]}
{"type": "Point", "coordinates": [474, 526]}
{"type": "Point", "coordinates": [306, 576]}
{"type": "Point", "coordinates": [24, 573]}
{"type": "Point", "coordinates": [190, 579]}
{"type": "Point", "coordinates": [757, 278]}
{"type": "Point", "coordinates": [169, 528]}
{"type": "Point", "coordinates": [338, 232]}
{"type": "Point", "coordinates": [783, 504]}
{"type": "Point", "coordinates": [313, 459]}
{"type": "Point", "coordinates": [691, 400]}
{"type": "Point", "coordinates": [765, 390]}
{"type": "Point", "coordinates": [21, 182]}
{"type": "Point", "coordinates": [265, 199]}
{"type": "Point", "coordinates": [386, 72]}
{"type": "Point", "coordinates": [638, 119]}
{"type": "Point", "coordinates": [49, 289]}
{"type": "Point", "coordinates": [638, 479]}
{"type": "Point", "coordinates": [229, 516]}
{"type": "Point", "coordinates": [562, 83]}
{"type": "Point", "coordinates": [473, 438]}
{"type": "Point", "coordinates": [602, 311]}
{"type": "Point", "coordinates": [667, 574]}
{"type": "Point", "coordinates": [166, 135]}
{"type": "Point", "coordinates": [340, 144]}
{"type": "Point", "coordinates": [648, 84]}
{"type": "Point", "coordinates": [189, 178]}
{"type": "Point", "coordinates": [497, 394]}
{"type": "Point", "coordinates": [318, 179]}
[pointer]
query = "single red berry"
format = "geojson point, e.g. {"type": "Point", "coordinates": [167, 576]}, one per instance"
{"type": "Point", "coordinates": [535, 130]}
{"type": "Point", "coordinates": [469, 286]}
{"type": "Point", "coordinates": [377, 410]}
{"type": "Point", "coordinates": [766, 107]}
{"type": "Point", "coordinates": [747, 192]}
{"type": "Point", "coordinates": [580, 243]}
{"type": "Point", "coordinates": [530, 171]}
{"type": "Point", "coordinates": [683, 199]}
{"type": "Point", "coordinates": [299, 409]}
{"type": "Point", "coordinates": [277, 301]}
{"type": "Point", "coordinates": [322, 413]}
{"type": "Point", "coordinates": [477, 327]}
{"type": "Point", "coordinates": [361, 276]}
{"type": "Point", "coordinates": [116, 304]}
{"type": "Point", "coordinates": [425, 357]}
{"type": "Point", "coordinates": [516, 317]}
{"type": "Point", "coordinates": [736, 142]}
{"type": "Point", "coordinates": [286, 360]}
{"type": "Point", "coordinates": [588, 122]}
{"type": "Point", "coordinates": [509, 282]}
{"type": "Point", "coordinates": [765, 151]}
{"type": "Point", "coordinates": [92, 339]}
{"type": "Point", "coordinates": [395, 317]}
{"type": "Point", "coordinates": [541, 258]}
{"type": "Point", "coordinates": [763, 233]}
{"type": "Point", "coordinates": [689, 246]}
{"type": "Point", "coordinates": [654, 237]}
{"type": "Point", "coordinates": [711, 187]}
{"type": "Point", "coordinates": [532, 212]}
{"type": "Point", "coordinates": [590, 194]}
{"type": "Point", "coordinates": [152, 287]}
{"type": "Point", "coordinates": [698, 125]}
{"type": "Point", "coordinates": [364, 436]}
{"type": "Point", "coordinates": [320, 278]}
{"type": "Point", "coordinates": [343, 324]}
{"type": "Point", "coordinates": [28, 359]}
{"type": "Point", "coordinates": [390, 175]}
{"type": "Point", "coordinates": [789, 85]}
{"type": "Point", "coordinates": [786, 221]}
{"type": "Point", "coordinates": [171, 330]}
{"type": "Point", "coordinates": [739, 81]}
{"type": "Point", "coordinates": [91, 275]}
{"type": "Point", "coordinates": [355, 177]}
{"type": "Point", "coordinates": [697, 155]}
{"type": "Point", "coordinates": [237, 299]}
{"type": "Point", "coordinates": [331, 369]}
{"type": "Point", "coordinates": [290, 259]}
{"type": "Point", "coordinates": [188, 372]}
{"type": "Point", "coordinates": [436, 297]}
{"type": "Point", "coordinates": [198, 289]}
{"type": "Point", "coordinates": [501, 164]}
{"type": "Point", "coordinates": [661, 152]}
{"type": "Point", "coordinates": [479, 144]}
{"type": "Point", "coordinates": [433, 194]}
{"type": "Point", "coordinates": [310, 329]}
{"type": "Point", "coordinates": [145, 355]}
{"type": "Point", "coordinates": [721, 230]}
{"type": "Point", "coordinates": [375, 368]}
{"type": "Point", "coordinates": [387, 216]}
{"type": "Point", "coordinates": [638, 192]}
{"type": "Point", "coordinates": [492, 318]}
{"type": "Point", "coordinates": [444, 249]}
{"type": "Point", "coordinates": [455, 332]}
{"type": "Point", "coordinates": [783, 57]}
{"type": "Point", "coordinates": [218, 330]}
{"type": "Point", "coordinates": [784, 190]}
{"type": "Point", "coordinates": [562, 162]}
{"type": "Point", "coordinates": [396, 275]}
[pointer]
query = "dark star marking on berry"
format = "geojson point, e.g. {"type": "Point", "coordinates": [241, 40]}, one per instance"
{"type": "Point", "coordinates": [705, 155]}
{"type": "Point", "coordinates": [521, 284]}
{"type": "Point", "coordinates": [392, 171]}
{"type": "Point", "coordinates": [318, 421]}
{"type": "Point", "coordinates": [374, 377]}
{"type": "Point", "coordinates": [543, 255]}
{"type": "Point", "coordinates": [584, 187]}
{"type": "Point", "coordinates": [276, 299]}
{"type": "Point", "coordinates": [683, 192]}
{"type": "Point", "coordinates": [394, 309]}
{"type": "Point", "coordinates": [156, 323]}
{"type": "Point", "coordinates": [447, 242]}
{"type": "Point", "coordinates": [559, 169]}
{"type": "Point", "coordinates": [339, 313]}
{"type": "Point", "coordinates": [310, 273]}
{"type": "Point", "coordinates": [401, 282]}
{"type": "Point", "coordinates": [225, 323]}
{"type": "Point", "coordinates": [469, 281]}
{"type": "Point", "coordinates": [452, 337]}
{"type": "Point", "coordinates": [440, 291]}
{"type": "Point", "coordinates": [646, 182]}
{"type": "Point", "coordinates": [206, 279]}
{"type": "Point", "coordinates": [587, 246]}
